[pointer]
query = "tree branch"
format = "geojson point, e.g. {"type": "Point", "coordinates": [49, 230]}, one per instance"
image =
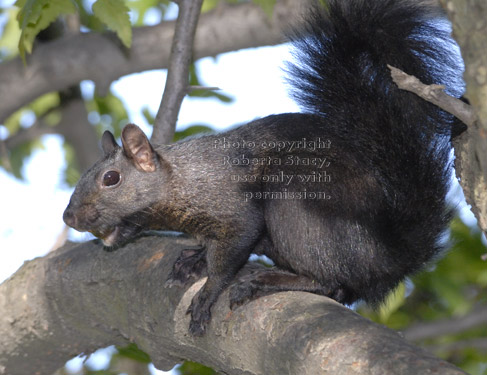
{"type": "Point", "coordinates": [73, 126]}
{"type": "Point", "coordinates": [467, 163]}
{"type": "Point", "coordinates": [470, 30]}
{"type": "Point", "coordinates": [475, 318]}
{"type": "Point", "coordinates": [90, 56]}
{"type": "Point", "coordinates": [479, 344]}
{"type": "Point", "coordinates": [434, 94]}
{"type": "Point", "coordinates": [80, 298]}
{"type": "Point", "coordinates": [38, 129]}
{"type": "Point", "coordinates": [178, 73]}
{"type": "Point", "coordinates": [77, 130]}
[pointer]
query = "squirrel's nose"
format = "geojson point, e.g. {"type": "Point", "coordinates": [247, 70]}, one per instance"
{"type": "Point", "coordinates": [70, 218]}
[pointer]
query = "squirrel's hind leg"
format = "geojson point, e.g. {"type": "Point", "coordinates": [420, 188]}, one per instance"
{"type": "Point", "coordinates": [265, 282]}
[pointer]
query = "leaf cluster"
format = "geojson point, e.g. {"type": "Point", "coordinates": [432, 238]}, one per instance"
{"type": "Point", "coordinates": [453, 287]}
{"type": "Point", "coordinates": [37, 21]}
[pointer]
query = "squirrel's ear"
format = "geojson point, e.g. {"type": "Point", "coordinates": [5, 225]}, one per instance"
{"type": "Point", "coordinates": [137, 147]}
{"type": "Point", "coordinates": [108, 143]}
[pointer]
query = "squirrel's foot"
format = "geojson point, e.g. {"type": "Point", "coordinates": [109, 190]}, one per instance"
{"type": "Point", "coordinates": [200, 315]}
{"type": "Point", "coordinates": [190, 266]}
{"type": "Point", "coordinates": [245, 290]}
{"type": "Point", "coordinates": [265, 282]}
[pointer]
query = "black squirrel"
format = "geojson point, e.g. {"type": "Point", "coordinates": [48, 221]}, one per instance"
{"type": "Point", "coordinates": [347, 198]}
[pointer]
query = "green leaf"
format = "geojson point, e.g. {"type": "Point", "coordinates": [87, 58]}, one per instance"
{"type": "Point", "coordinates": [45, 102]}
{"type": "Point", "coordinates": [71, 172]}
{"type": "Point", "coordinates": [39, 107]}
{"type": "Point", "coordinates": [36, 15]}
{"type": "Point", "coordinates": [267, 6]}
{"type": "Point", "coordinates": [133, 352]}
{"type": "Point", "coordinates": [99, 372]}
{"type": "Point", "coordinates": [141, 7]}
{"type": "Point", "coordinates": [13, 123]}
{"type": "Point", "coordinates": [190, 131]}
{"type": "Point", "coordinates": [193, 368]}
{"type": "Point", "coordinates": [393, 302]}
{"type": "Point", "coordinates": [325, 4]}
{"type": "Point", "coordinates": [115, 14]}
{"type": "Point", "coordinates": [112, 112]}
{"type": "Point", "coordinates": [9, 39]}
{"type": "Point", "coordinates": [87, 18]}
{"type": "Point", "coordinates": [452, 286]}
{"type": "Point", "coordinates": [203, 93]}
{"type": "Point", "coordinates": [149, 117]}
{"type": "Point", "coordinates": [20, 153]}
{"type": "Point", "coordinates": [209, 5]}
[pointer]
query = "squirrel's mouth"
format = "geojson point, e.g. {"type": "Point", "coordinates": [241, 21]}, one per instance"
{"type": "Point", "coordinates": [116, 235]}
{"type": "Point", "coordinates": [111, 238]}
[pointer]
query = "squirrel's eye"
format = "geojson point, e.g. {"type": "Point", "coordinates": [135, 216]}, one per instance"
{"type": "Point", "coordinates": [111, 178]}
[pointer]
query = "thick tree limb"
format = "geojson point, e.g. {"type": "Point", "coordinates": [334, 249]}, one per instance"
{"type": "Point", "coordinates": [79, 133]}
{"type": "Point", "coordinates": [177, 81]}
{"type": "Point", "coordinates": [98, 57]}
{"type": "Point", "coordinates": [80, 298]}
{"type": "Point", "coordinates": [470, 30]}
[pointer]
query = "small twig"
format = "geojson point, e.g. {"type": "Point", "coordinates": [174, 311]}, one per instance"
{"type": "Point", "coordinates": [177, 78]}
{"type": "Point", "coordinates": [434, 94]}
{"type": "Point", "coordinates": [209, 88]}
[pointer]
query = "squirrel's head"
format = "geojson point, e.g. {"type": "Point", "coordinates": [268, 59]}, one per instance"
{"type": "Point", "coordinates": [114, 199]}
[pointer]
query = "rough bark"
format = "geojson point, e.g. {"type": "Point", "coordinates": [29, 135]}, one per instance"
{"type": "Point", "coordinates": [80, 298]}
{"type": "Point", "coordinates": [100, 57]}
{"type": "Point", "coordinates": [470, 30]}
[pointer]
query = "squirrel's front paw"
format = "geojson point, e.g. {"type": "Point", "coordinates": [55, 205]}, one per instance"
{"type": "Point", "coordinates": [190, 265]}
{"type": "Point", "coordinates": [200, 316]}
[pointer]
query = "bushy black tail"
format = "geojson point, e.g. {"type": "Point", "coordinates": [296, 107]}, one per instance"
{"type": "Point", "coordinates": [340, 72]}
{"type": "Point", "coordinates": [342, 51]}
